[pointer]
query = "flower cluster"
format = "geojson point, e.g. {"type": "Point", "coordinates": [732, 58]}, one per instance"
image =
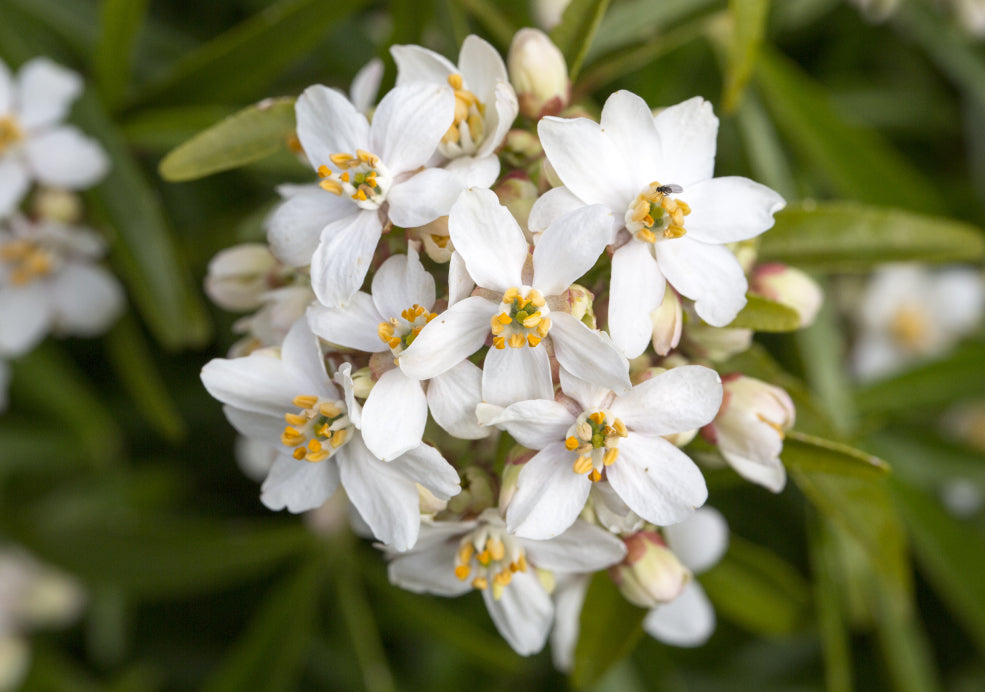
{"type": "Point", "coordinates": [425, 333]}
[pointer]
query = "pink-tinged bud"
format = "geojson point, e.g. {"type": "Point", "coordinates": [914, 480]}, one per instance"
{"type": "Point", "coordinates": [702, 341]}
{"type": "Point", "coordinates": [239, 276]}
{"type": "Point", "coordinates": [668, 322]}
{"type": "Point", "coordinates": [55, 204]}
{"type": "Point", "coordinates": [521, 148]}
{"type": "Point", "coordinates": [750, 427]}
{"type": "Point", "coordinates": [518, 193]}
{"type": "Point", "coordinates": [788, 286]}
{"type": "Point", "coordinates": [581, 304]}
{"type": "Point", "coordinates": [650, 574]}
{"type": "Point", "coordinates": [476, 494]}
{"type": "Point", "coordinates": [539, 74]}
{"type": "Point", "coordinates": [363, 381]}
{"type": "Point", "coordinates": [515, 461]}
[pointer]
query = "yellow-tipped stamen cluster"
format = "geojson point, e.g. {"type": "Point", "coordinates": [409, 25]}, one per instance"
{"type": "Point", "coordinates": [910, 328]}
{"type": "Point", "coordinates": [10, 133]}
{"type": "Point", "coordinates": [655, 211]}
{"type": "Point", "coordinates": [400, 332]}
{"type": "Point", "coordinates": [595, 439]}
{"type": "Point", "coordinates": [466, 131]}
{"type": "Point", "coordinates": [318, 429]}
{"type": "Point", "coordinates": [27, 261]}
{"type": "Point", "coordinates": [523, 323]}
{"type": "Point", "coordinates": [361, 176]}
{"type": "Point", "coordinates": [490, 557]}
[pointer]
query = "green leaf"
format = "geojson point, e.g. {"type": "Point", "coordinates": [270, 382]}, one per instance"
{"type": "Point", "coordinates": [758, 590]}
{"type": "Point", "coordinates": [243, 61]}
{"type": "Point", "coordinates": [921, 457]}
{"type": "Point", "coordinates": [641, 21]}
{"type": "Point", "coordinates": [748, 23]}
{"type": "Point", "coordinates": [579, 24]}
{"type": "Point", "coordinates": [492, 18]}
{"type": "Point", "coordinates": [120, 22]}
{"type": "Point", "coordinates": [765, 315]}
{"type": "Point", "coordinates": [359, 619]}
{"type": "Point", "coordinates": [609, 629]}
{"type": "Point", "coordinates": [158, 130]}
{"type": "Point", "coordinates": [244, 137]}
{"type": "Point", "coordinates": [816, 455]}
{"type": "Point", "coordinates": [271, 653]}
{"type": "Point", "coordinates": [827, 605]}
{"type": "Point", "coordinates": [845, 236]}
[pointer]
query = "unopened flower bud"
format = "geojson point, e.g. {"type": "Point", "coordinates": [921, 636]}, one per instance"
{"type": "Point", "coordinates": [788, 286]}
{"type": "Point", "coordinates": [581, 304]}
{"type": "Point", "coordinates": [239, 276]}
{"type": "Point", "coordinates": [362, 382]}
{"type": "Point", "coordinates": [650, 574]}
{"type": "Point", "coordinates": [476, 494]}
{"type": "Point", "coordinates": [538, 73]}
{"type": "Point", "coordinates": [518, 193]}
{"type": "Point", "coordinates": [515, 461]}
{"type": "Point", "coordinates": [521, 148]}
{"type": "Point", "coordinates": [55, 204]}
{"type": "Point", "coordinates": [747, 252]}
{"type": "Point", "coordinates": [428, 503]}
{"type": "Point", "coordinates": [668, 322]}
{"type": "Point", "coordinates": [715, 343]}
{"type": "Point", "coordinates": [435, 239]}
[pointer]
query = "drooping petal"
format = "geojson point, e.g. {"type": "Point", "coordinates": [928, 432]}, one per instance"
{"type": "Point", "coordinates": [353, 325]}
{"type": "Point", "coordinates": [700, 540]}
{"type": "Point", "coordinates": [430, 568]}
{"type": "Point", "coordinates": [488, 238]}
{"type": "Point", "coordinates": [582, 548]}
{"type": "Point", "coordinates": [612, 513]}
{"type": "Point", "coordinates": [762, 469]}
{"type": "Point", "coordinates": [14, 181]}
{"type": "Point", "coordinates": [636, 290]}
{"type": "Point", "coordinates": [688, 133]}
{"type": "Point", "coordinates": [400, 282]}
{"type": "Point", "coordinates": [500, 115]}
{"type": "Point", "coordinates": [628, 122]}
{"type": "Point", "coordinates": [417, 64]}
{"type": "Point", "coordinates": [516, 374]}
{"type": "Point", "coordinates": [343, 376]}
{"type": "Point", "coordinates": [255, 383]}
{"type": "Point", "coordinates": [425, 465]}
{"type": "Point", "coordinates": [536, 423]}
{"type": "Point", "coordinates": [329, 124]}
{"type": "Point", "coordinates": [45, 92]}
{"type": "Point", "coordinates": [343, 256]}
{"type": "Point", "coordinates": [295, 226]}
{"type": "Point", "coordinates": [688, 620]}
{"type": "Point", "coordinates": [523, 613]}
{"type": "Point", "coordinates": [452, 398]}
{"type": "Point", "coordinates": [25, 317]}
{"type": "Point", "coordinates": [569, 248]}
{"type": "Point", "coordinates": [304, 364]}
{"type": "Point", "coordinates": [448, 339]}
{"type": "Point", "coordinates": [394, 415]}
{"type": "Point", "coordinates": [481, 65]}
{"type": "Point", "coordinates": [549, 495]}
{"type": "Point", "coordinates": [588, 354]}
{"type": "Point", "coordinates": [409, 123]}
{"type": "Point", "coordinates": [298, 485]}
{"type": "Point", "coordinates": [256, 426]}
{"type": "Point", "coordinates": [710, 275]}
{"type": "Point", "coordinates": [551, 206]}
{"type": "Point", "coordinates": [729, 209]}
{"type": "Point", "coordinates": [569, 596]}
{"type": "Point", "coordinates": [681, 399]}
{"type": "Point", "coordinates": [64, 157]}
{"type": "Point", "coordinates": [423, 197]}
{"type": "Point", "coordinates": [85, 299]}
{"type": "Point", "coordinates": [658, 481]}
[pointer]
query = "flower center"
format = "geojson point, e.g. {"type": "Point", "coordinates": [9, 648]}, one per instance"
{"type": "Point", "coordinates": [10, 133]}
{"type": "Point", "coordinates": [910, 328]}
{"type": "Point", "coordinates": [594, 437]}
{"type": "Point", "coordinates": [362, 177]}
{"type": "Point", "coordinates": [400, 332]}
{"type": "Point", "coordinates": [490, 556]}
{"type": "Point", "coordinates": [523, 321]}
{"type": "Point", "coordinates": [27, 261]}
{"type": "Point", "coordinates": [466, 131]}
{"type": "Point", "coordinates": [319, 428]}
{"type": "Point", "coordinates": [655, 211]}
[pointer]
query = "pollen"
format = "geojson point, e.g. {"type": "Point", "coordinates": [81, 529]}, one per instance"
{"type": "Point", "coordinates": [400, 332]}
{"type": "Point", "coordinates": [523, 320]}
{"type": "Point", "coordinates": [27, 261]}
{"type": "Point", "coordinates": [490, 557]}
{"type": "Point", "coordinates": [10, 133]}
{"type": "Point", "coordinates": [656, 213]}
{"type": "Point", "coordinates": [468, 127]}
{"type": "Point", "coordinates": [594, 438]}
{"type": "Point", "coordinates": [361, 176]}
{"type": "Point", "coordinates": [317, 429]}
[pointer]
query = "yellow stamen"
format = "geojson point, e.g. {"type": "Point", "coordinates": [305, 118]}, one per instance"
{"type": "Point", "coordinates": [462, 572]}
{"type": "Point", "coordinates": [332, 186]}
{"type": "Point", "coordinates": [455, 81]}
{"type": "Point", "coordinates": [571, 443]}
{"type": "Point", "coordinates": [517, 340]}
{"type": "Point", "coordinates": [299, 453]}
{"type": "Point", "coordinates": [315, 457]}
{"type": "Point", "coordinates": [610, 456]}
{"type": "Point", "coordinates": [295, 419]}
{"type": "Point", "coordinates": [532, 340]}
{"type": "Point", "coordinates": [595, 476]}
{"type": "Point", "coordinates": [305, 401]}
{"type": "Point", "coordinates": [338, 438]}
{"type": "Point", "coordinates": [496, 548]}
{"type": "Point", "coordinates": [598, 418]}
{"type": "Point", "coordinates": [480, 583]}
{"type": "Point", "coordinates": [582, 465]}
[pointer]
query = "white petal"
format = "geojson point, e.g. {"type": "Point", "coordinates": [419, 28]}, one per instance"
{"type": "Point", "coordinates": [710, 275]}
{"type": "Point", "coordinates": [688, 620]}
{"type": "Point", "coordinates": [402, 281]}
{"type": "Point", "coordinates": [658, 481]}
{"type": "Point", "coordinates": [536, 423]}
{"type": "Point", "coordinates": [681, 399]}
{"type": "Point", "coordinates": [409, 123]}
{"type": "Point", "coordinates": [417, 64]}
{"type": "Point", "coordinates": [481, 65]}
{"type": "Point", "coordinates": [474, 171]}
{"type": "Point", "coordinates": [343, 256]}
{"type": "Point", "coordinates": [699, 541]}
{"type": "Point", "coordinates": [726, 210]}
{"type": "Point", "coordinates": [14, 181]}
{"type": "Point", "coordinates": [612, 513]}
{"type": "Point", "coordinates": [958, 297]}
{"type": "Point", "coordinates": [460, 284]}
{"type": "Point", "coordinates": [488, 238]}
{"type": "Point", "coordinates": [365, 85]}
{"type": "Point", "coordinates": [430, 569]}
{"type": "Point", "coordinates": [516, 374]}
{"type": "Point", "coordinates": [569, 596]}
{"type": "Point", "coordinates": [628, 122]}
{"type": "Point", "coordinates": [86, 300]}
{"type": "Point", "coordinates": [452, 398]}
{"type": "Point", "coordinates": [549, 495]}
{"type": "Point", "coordinates": [523, 613]}
{"type": "Point", "coordinates": [353, 325]}
{"type": "Point", "coordinates": [569, 248]}
{"type": "Point", "coordinates": [304, 363]}
{"type": "Point", "coordinates": [257, 383]}
{"type": "Point", "coordinates": [7, 96]}
{"type": "Point", "coordinates": [25, 317]}
{"type": "Point", "coordinates": [295, 226]}
{"type": "Point", "coordinates": [394, 415]}
{"type": "Point", "coordinates": [636, 289]}
{"type": "Point", "coordinates": [588, 354]}
{"type": "Point", "coordinates": [298, 486]}
{"type": "Point", "coordinates": [582, 548]}
{"type": "Point", "coordinates": [423, 197]}
{"type": "Point", "coordinates": [64, 157]}
{"type": "Point", "coordinates": [257, 426]}
{"type": "Point", "coordinates": [762, 470]}
{"type": "Point", "coordinates": [45, 93]}
{"type": "Point", "coordinates": [329, 124]}
{"type": "Point", "coordinates": [500, 115]}
{"type": "Point", "coordinates": [448, 339]}
{"type": "Point", "coordinates": [552, 205]}
{"type": "Point", "coordinates": [585, 393]}
{"type": "Point", "coordinates": [687, 141]}
{"type": "Point", "coordinates": [425, 465]}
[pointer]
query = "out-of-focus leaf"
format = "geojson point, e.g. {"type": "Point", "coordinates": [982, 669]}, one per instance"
{"type": "Point", "coordinates": [74, 23]}
{"type": "Point", "coordinates": [251, 134]}
{"type": "Point", "coordinates": [922, 458]}
{"type": "Point", "coordinates": [360, 621]}
{"type": "Point", "coordinates": [490, 16]}
{"type": "Point", "coordinates": [765, 315]}
{"type": "Point", "coordinates": [959, 375]}
{"type": "Point", "coordinates": [827, 606]}
{"type": "Point", "coordinates": [162, 129]}
{"type": "Point", "coordinates": [576, 31]}
{"type": "Point", "coordinates": [271, 653]}
{"type": "Point", "coordinates": [951, 555]}
{"type": "Point", "coordinates": [641, 21]}
{"type": "Point", "coordinates": [767, 155]}
{"type": "Point", "coordinates": [609, 629]}
{"type": "Point", "coordinates": [756, 589]}
{"type": "Point", "coordinates": [243, 60]}
{"type": "Point", "coordinates": [38, 448]}
{"type": "Point", "coordinates": [845, 236]}
{"type": "Point", "coordinates": [120, 22]}
{"type": "Point", "coordinates": [817, 455]}
{"type": "Point", "coordinates": [748, 24]}
{"type": "Point", "coordinates": [857, 162]}
{"type": "Point", "coordinates": [144, 250]}
{"type": "Point", "coordinates": [106, 626]}
{"type": "Point", "coordinates": [905, 649]}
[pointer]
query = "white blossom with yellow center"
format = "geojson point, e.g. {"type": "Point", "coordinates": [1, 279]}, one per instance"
{"type": "Point", "coordinates": [514, 574]}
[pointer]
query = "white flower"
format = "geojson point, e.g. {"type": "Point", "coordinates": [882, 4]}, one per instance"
{"type": "Point", "coordinates": [238, 276]}
{"type": "Point", "coordinates": [618, 436]}
{"type": "Point", "coordinates": [321, 444]}
{"type": "Point", "coordinates": [386, 322]}
{"type": "Point", "coordinates": [655, 174]}
{"type": "Point", "coordinates": [517, 308]}
{"type": "Point", "coordinates": [452, 558]}
{"type": "Point", "coordinates": [485, 104]}
{"type": "Point", "coordinates": [49, 282]}
{"type": "Point", "coordinates": [34, 144]}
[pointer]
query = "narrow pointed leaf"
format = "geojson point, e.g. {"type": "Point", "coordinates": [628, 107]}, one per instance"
{"type": "Point", "coordinates": [579, 24]}
{"type": "Point", "coordinates": [817, 455]}
{"type": "Point", "coordinates": [609, 629]}
{"type": "Point", "coordinates": [120, 23]}
{"type": "Point", "coordinates": [748, 19]}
